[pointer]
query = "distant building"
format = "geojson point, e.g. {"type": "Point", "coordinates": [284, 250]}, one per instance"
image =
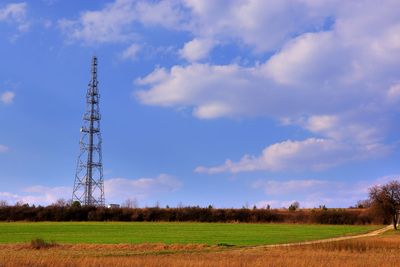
{"type": "Point", "coordinates": [113, 206]}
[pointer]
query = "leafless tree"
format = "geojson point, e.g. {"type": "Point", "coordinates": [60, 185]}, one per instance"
{"type": "Point", "coordinates": [386, 199]}
{"type": "Point", "coordinates": [3, 203]}
{"type": "Point", "coordinates": [19, 203]}
{"type": "Point", "coordinates": [362, 204]}
{"type": "Point", "coordinates": [60, 203]}
{"type": "Point", "coordinates": [131, 203]}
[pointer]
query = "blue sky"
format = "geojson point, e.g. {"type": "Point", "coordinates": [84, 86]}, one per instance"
{"type": "Point", "coordinates": [228, 103]}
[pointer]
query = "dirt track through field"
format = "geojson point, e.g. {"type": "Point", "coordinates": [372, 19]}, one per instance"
{"type": "Point", "coordinates": [334, 239]}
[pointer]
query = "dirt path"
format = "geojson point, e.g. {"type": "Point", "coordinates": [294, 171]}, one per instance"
{"type": "Point", "coordinates": [373, 233]}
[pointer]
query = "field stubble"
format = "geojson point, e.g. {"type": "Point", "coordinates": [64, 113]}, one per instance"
{"type": "Point", "coordinates": [372, 251]}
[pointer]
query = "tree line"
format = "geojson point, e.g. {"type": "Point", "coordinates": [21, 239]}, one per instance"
{"type": "Point", "coordinates": [382, 207]}
{"type": "Point", "coordinates": [186, 214]}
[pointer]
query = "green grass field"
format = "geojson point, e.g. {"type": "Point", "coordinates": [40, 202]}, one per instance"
{"type": "Point", "coordinates": [169, 233]}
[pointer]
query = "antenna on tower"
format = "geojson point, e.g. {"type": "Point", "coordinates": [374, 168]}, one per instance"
{"type": "Point", "coordinates": [89, 183]}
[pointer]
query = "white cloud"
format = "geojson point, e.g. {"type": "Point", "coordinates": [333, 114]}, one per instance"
{"type": "Point", "coordinates": [167, 14]}
{"type": "Point", "coordinates": [3, 148]}
{"type": "Point", "coordinates": [117, 190]}
{"type": "Point", "coordinates": [393, 94]}
{"type": "Point", "coordinates": [38, 195]}
{"type": "Point", "coordinates": [312, 153]}
{"type": "Point", "coordinates": [347, 127]}
{"type": "Point", "coordinates": [273, 187]}
{"type": "Point", "coordinates": [322, 123]}
{"type": "Point", "coordinates": [44, 194]}
{"type": "Point", "coordinates": [315, 192]}
{"type": "Point", "coordinates": [7, 97]}
{"type": "Point", "coordinates": [338, 82]}
{"type": "Point", "coordinates": [131, 52]}
{"type": "Point", "coordinates": [115, 22]}
{"type": "Point", "coordinates": [311, 193]}
{"type": "Point", "coordinates": [107, 25]}
{"type": "Point", "coordinates": [197, 49]}
{"type": "Point", "coordinates": [307, 60]}
{"type": "Point", "coordinates": [120, 189]}
{"type": "Point", "coordinates": [262, 25]}
{"type": "Point", "coordinates": [15, 13]}
{"type": "Point", "coordinates": [215, 91]}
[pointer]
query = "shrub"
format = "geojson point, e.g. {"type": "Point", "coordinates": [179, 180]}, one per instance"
{"type": "Point", "coordinates": [39, 243]}
{"type": "Point", "coordinates": [294, 206]}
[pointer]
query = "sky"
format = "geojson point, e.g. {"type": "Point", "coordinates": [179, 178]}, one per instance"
{"type": "Point", "coordinates": [203, 102]}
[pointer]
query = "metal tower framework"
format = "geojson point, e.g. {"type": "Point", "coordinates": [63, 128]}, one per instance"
{"type": "Point", "coordinates": [89, 183]}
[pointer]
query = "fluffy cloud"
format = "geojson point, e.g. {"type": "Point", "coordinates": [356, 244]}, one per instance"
{"type": "Point", "coordinates": [7, 97]}
{"type": "Point", "coordinates": [393, 93]}
{"type": "Point", "coordinates": [15, 13]}
{"type": "Point", "coordinates": [131, 52]}
{"type": "Point", "coordinates": [38, 195]}
{"type": "Point", "coordinates": [214, 91]}
{"type": "Point", "coordinates": [117, 190]}
{"type": "Point", "coordinates": [196, 49]}
{"type": "Point", "coordinates": [120, 189]}
{"type": "Point", "coordinates": [337, 81]}
{"type": "Point", "coordinates": [312, 192]}
{"type": "Point", "coordinates": [115, 22]}
{"type": "Point", "coordinates": [107, 25]}
{"type": "Point", "coordinates": [312, 153]}
{"type": "Point", "coordinates": [272, 187]}
{"type": "Point", "coordinates": [167, 14]}
{"type": "Point", "coordinates": [307, 60]}
{"type": "Point", "coordinates": [303, 71]}
{"type": "Point", "coordinates": [347, 127]}
{"type": "Point", "coordinates": [311, 66]}
{"type": "Point", "coordinates": [261, 25]}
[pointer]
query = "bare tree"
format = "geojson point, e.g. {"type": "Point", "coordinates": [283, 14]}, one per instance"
{"type": "Point", "coordinates": [362, 204]}
{"type": "Point", "coordinates": [20, 203]}
{"type": "Point", "coordinates": [131, 203]}
{"type": "Point", "coordinates": [3, 203]}
{"type": "Point", "coordinates": [386, 199]}
{"type": "Point", "coordinates": [60, 203]}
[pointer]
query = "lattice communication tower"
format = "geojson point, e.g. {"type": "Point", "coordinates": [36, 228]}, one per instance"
{"type": "Point", "coordinates": [89, 183]}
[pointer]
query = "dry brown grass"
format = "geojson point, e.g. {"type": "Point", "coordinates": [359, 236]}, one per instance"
{"type": "Point", "coordinates": [373, 251]}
